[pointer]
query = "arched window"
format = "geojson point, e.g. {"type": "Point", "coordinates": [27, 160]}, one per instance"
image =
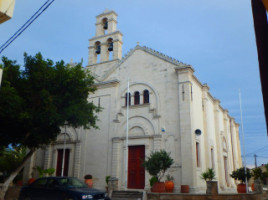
{"type": "Point", "coordinates": [128, 97]}
{"type": "Point", "coordinates": [197, 154]}
{"type": "Point", "coordinates": [110, 44]}
{"type": "Point", "coordinates": [105, 23]}
{"type": "Point", "coordinates": [145, 96]}
{"type": "Point", "coordinates": [110, 48]}
{"type": "Point", "coordinates": [98, 47]}
{"type": "Point", "coordinates": [98, 51]}
{"type": "Point", "coordinates": [136, 98]}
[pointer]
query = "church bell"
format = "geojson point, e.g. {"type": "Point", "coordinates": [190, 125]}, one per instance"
{"type": "Point", "coordinates": [105, 26]}
{"type": "Point", "coordinates": [111, 47]}
{"type": "Point", "coordinates": [98, 49]}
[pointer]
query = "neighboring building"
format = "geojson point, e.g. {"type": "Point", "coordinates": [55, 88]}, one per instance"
{"type": "Point", "coordinates": [169, 107]}
{"type": "Point", "coordinates": [6, 10]}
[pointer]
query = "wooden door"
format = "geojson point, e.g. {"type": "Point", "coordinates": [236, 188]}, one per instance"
{"type": "Point", "coordinates": [136, 172]}
{"type": "Point", "coordinates": [66, 162]}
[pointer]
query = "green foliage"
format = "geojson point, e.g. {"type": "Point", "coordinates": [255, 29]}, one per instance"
{"type": "Point", "coordinates": [208, 175]}
{"type": "Point", "coordinates": [38, 99]}
{"type": "Point", "coordinates": [10, 159]}
{"type": "Point", "coordinates": [257, 174]}
{"type": "Point", "coordinates": [107, 179]}
{"type": "Point", "coordinates": [45, 172]}
{"type": "Point", "coordinates": [88, 176]}
{"type": "Point", "coordinates": [265, 173]}
{"type": "Point", "coordinates": [157, 163]}
{"type": "Point", "coordinates": [153, 180]}
{"type": "Point", "coordinates": [240, 174]}
{"type": "Point", "coordinates": [169, 177]}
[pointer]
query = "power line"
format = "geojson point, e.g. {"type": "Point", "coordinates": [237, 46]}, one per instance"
{"type": "Point", "coordinates": [26, 24]}
{"type": "Point", "coordinates": [262, 156]}
{"type": "Point", "coordinates": [257, 150]}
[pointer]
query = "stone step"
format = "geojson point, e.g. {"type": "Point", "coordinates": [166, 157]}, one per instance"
{"type": "Point", "coordinates": [127, 195]}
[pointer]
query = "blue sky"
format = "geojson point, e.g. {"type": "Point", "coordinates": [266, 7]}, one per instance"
{"type": "Point", "coordinates": [215, 37]}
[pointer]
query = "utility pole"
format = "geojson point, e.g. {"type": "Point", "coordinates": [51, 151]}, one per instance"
{"type": "Point", "coordinates": [255, 157]}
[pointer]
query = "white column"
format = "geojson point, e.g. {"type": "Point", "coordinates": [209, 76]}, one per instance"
{"type": "Point", "coordinates": [77, 158]}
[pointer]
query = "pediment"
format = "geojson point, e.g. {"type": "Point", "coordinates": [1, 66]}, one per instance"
{"type": "Point", "coordinates": [105, 74]}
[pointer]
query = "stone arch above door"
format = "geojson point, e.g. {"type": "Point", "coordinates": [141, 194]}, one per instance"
{"type": "Point", "coordinates": [70, 135]}
{"type": "Point", "coordinates": [138, 126]}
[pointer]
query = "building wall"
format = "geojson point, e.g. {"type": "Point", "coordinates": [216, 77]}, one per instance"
{"type": "Point", "coordinates": [6, 10]}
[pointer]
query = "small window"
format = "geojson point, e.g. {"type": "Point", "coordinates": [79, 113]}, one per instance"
{"type": "Point", "coordinates": [197, 155]}
{"type": "Point", "coordinates": [105, 25]}
{"type": "Point", "coordinates": [128, 98]}
{"type": "Point", "coordinates": [97, 47]}
{"type": "Point", "coordinates": [145, 96]}
{"type": "Point", "coordinates": [212, 158]}
{"type": "Point", "coordinates": [226, 173]}
{"type": "Point", "coordinates": [136, 98]}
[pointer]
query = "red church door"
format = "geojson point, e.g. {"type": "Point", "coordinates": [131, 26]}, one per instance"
{"type": "Point", "coordinates": [136, 172]}
{"type": "Point", "coordinates": [66, 162]}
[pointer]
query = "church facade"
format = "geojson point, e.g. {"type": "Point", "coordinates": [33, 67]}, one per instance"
{"type": "Point", "coordinates": [167, 108]}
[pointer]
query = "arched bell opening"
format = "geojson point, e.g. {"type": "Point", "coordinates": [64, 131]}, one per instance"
{"type": "Point", "coordinates": [110, 49]}
{"type": "Point", "coordinates": [105, 24]}
{"type": "Point", "coordinates": [98, 50]}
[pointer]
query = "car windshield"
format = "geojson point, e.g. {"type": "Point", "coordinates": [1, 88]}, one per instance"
{"type": "Point", "coordinates": [71, 182]}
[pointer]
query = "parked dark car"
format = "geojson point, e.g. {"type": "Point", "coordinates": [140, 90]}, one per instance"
{"type": "Point", "coordinates": [60, 188]}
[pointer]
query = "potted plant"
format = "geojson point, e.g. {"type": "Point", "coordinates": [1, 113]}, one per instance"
{"type": "Point", "coordinates": [153, 180]}
{"type": "Point", "coordinates": [169, 184]}
{"type": "Point", "coordinates": [156, 165]}
{"type": "Point", "coordinates": [107, 182]}
{"type": "Point", "coordinates": [45, 172]}
{"type": "Point", "coordinates": [240, 175]}
{"type": "Point", "coordinates": [258, 177]}
{"type": "Point", "coordinates": [88, 180]}
{"type": "Point", "coordinates": [212, 186]}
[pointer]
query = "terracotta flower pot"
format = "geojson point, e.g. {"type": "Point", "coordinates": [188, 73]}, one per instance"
{"type": "Point", "coordinates": [31, 180]}
{"type": "Point", "coordinates": [185, 189]}
{"type": "Point", "coordinates": [241, 188]}
{"type": "Point", "coordinates": [252, 187]}
{"type": "Point", "coordinates": [212, 188]}
{"type": "Point", "coordinates": [169, 186]}
{"type": "Point", "coordinates": [158, 187]}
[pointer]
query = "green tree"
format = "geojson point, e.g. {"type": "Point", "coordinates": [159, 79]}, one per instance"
{"type": "Point", "coordinates": [10, 159]}
{"type": "Point", "coordinates": [39, 98]}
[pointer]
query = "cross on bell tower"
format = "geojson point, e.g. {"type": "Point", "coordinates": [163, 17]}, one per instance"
{"type": "Point", "coordinates": [106, 45]}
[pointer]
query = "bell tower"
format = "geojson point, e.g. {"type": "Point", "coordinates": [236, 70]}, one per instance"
{"type": "Point", "coordinates": [106, 45]}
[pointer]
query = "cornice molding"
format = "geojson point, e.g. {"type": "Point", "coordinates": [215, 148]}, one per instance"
{"type": "Point", "coordinates": [154, 53]}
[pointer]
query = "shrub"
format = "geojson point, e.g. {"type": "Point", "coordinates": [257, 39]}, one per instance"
{"type": "Point", "coordinates": [257, 174]}
{"type": "Point", "coordinates": [240, 174]}
{"type": "Point", "coordinates": [208, 175]}
{"type": "Point", "coordinates": [157, 163]}
{"type": "Point", "coordinates": [107, 179]}
{"type": "Point", "coordinates": [153, 180]}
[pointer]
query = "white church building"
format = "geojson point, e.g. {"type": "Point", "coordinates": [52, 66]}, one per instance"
{"type": "Point", "coordinates": [169, 108]}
